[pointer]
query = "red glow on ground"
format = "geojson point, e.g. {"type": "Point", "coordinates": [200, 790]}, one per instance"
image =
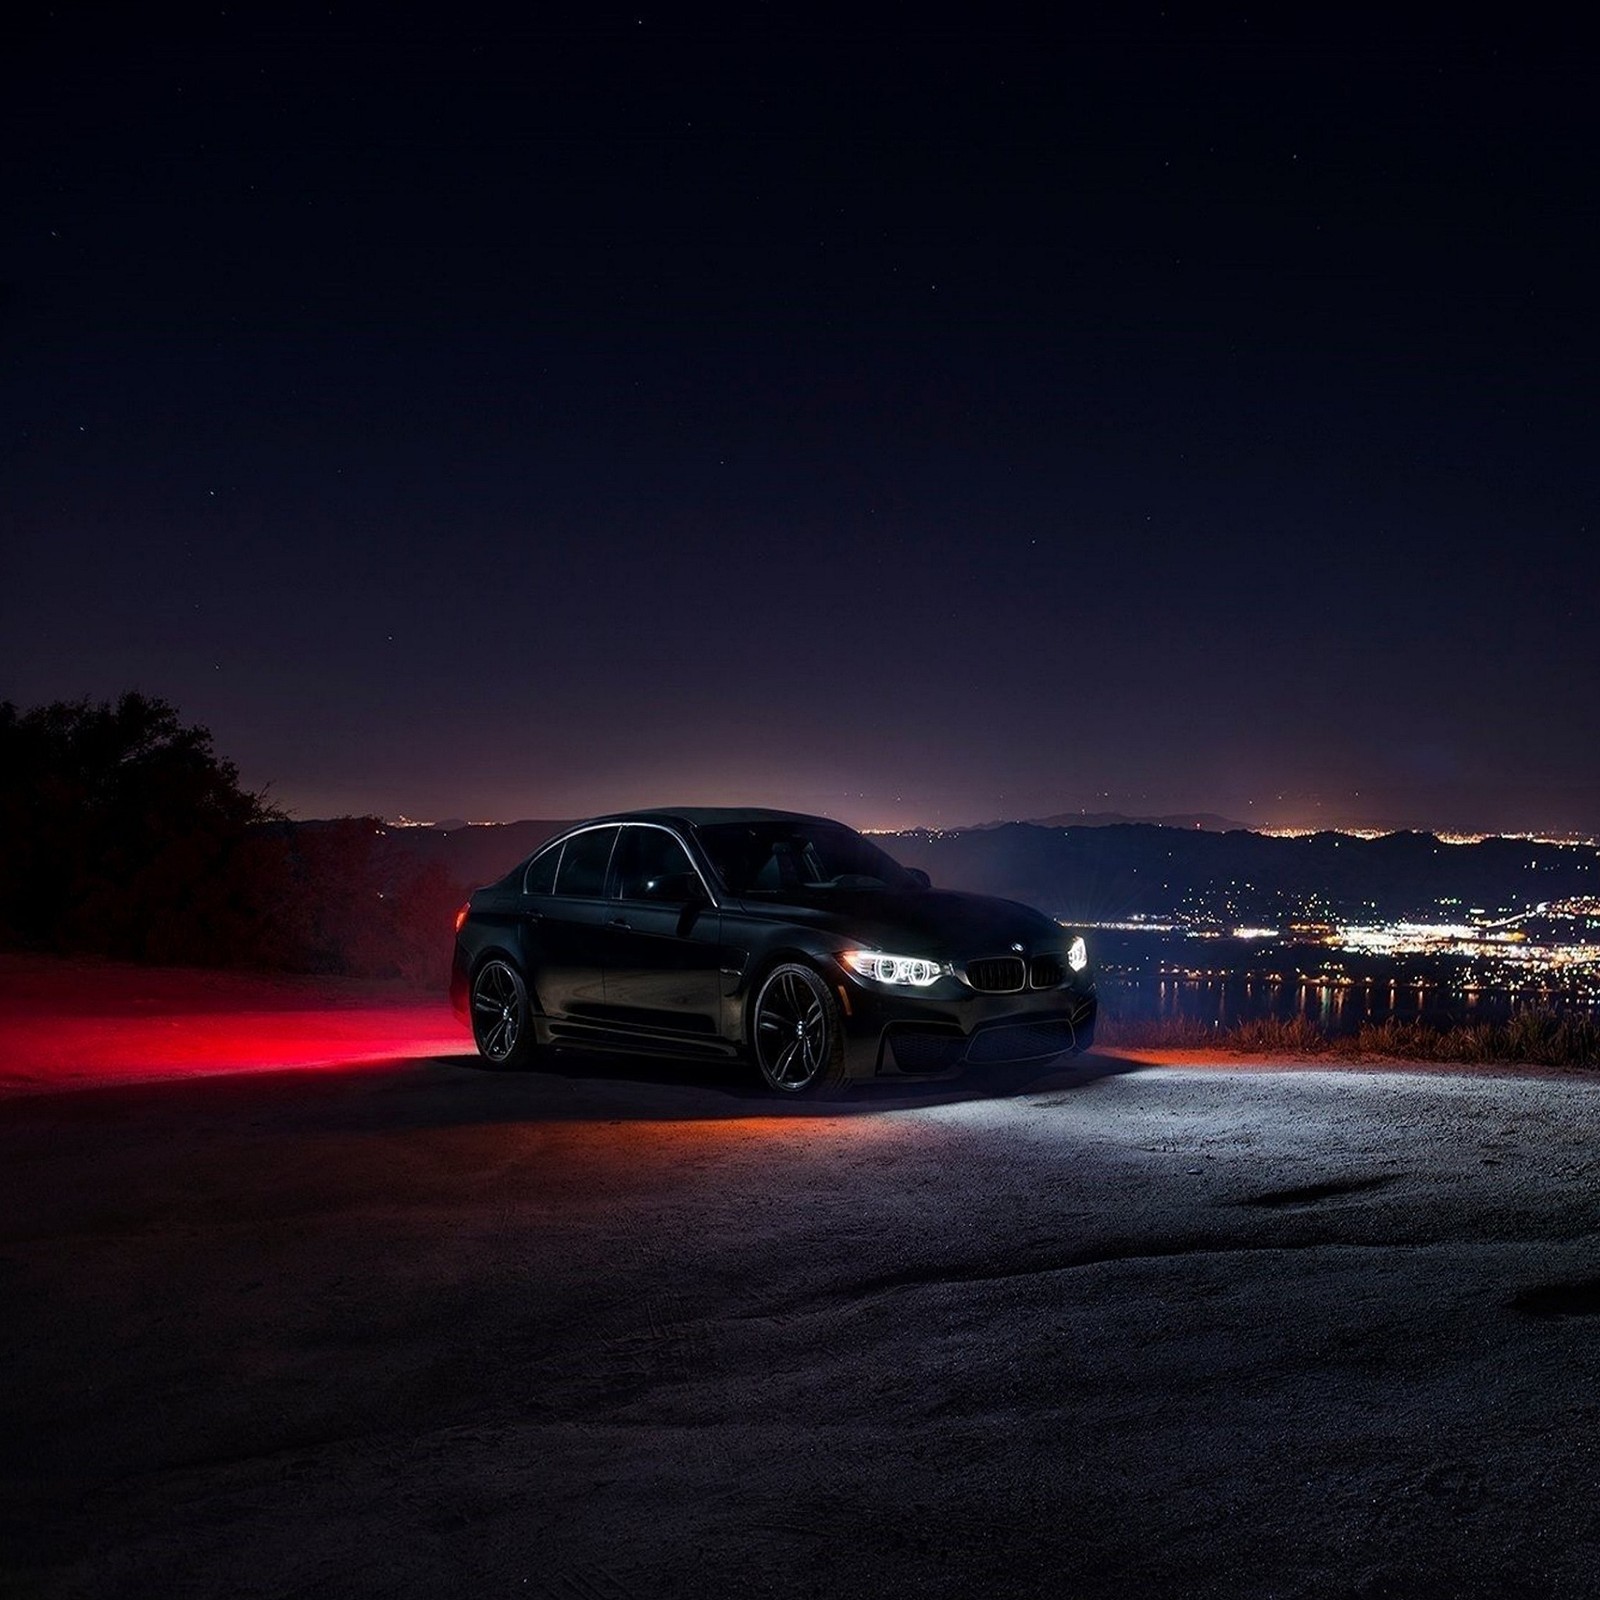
{"type": "Point", "coordinates": [78, 1025]}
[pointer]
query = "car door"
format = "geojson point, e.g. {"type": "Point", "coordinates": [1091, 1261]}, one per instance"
{"type": "Point", "coordinates": [663, 942]}
{"type": "Point", "coordinates": [568, 935]}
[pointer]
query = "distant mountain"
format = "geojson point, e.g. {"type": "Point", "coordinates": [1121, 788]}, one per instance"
{"type": "Point", "coordinates": [1120, 871]}
{"type": "Point", "coordinates": [1207, 821]}
{"type": "Point", "coordinates": [473, 853]}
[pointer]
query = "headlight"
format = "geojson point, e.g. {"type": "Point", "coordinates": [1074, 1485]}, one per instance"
{"type": "Point", "coordinates": [915, 971]}
{"type": "Point", "coordinates": [1078, 954]}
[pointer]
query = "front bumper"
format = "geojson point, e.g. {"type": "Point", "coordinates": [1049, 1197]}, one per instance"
{"type": "Point", "coordinates": [893, 1036]}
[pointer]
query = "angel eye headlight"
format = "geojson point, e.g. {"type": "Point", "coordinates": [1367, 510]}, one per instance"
{"type": "Point", "coordinates": [1078, 954]}
{"type": "Point", "coordinates": [914, 971]}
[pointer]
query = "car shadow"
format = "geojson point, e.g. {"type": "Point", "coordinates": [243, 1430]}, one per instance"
{"type": "Point", "coordinates": [625, 1086]}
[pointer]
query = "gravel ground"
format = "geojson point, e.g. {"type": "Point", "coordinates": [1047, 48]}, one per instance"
{"type": "Point", "coordinates": [594, 1333]}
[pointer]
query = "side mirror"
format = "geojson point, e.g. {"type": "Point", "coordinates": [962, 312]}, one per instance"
{"type": "Point", "coordinates": [675, 889]}
{"type": "Point", "coordinates": [922, 878]}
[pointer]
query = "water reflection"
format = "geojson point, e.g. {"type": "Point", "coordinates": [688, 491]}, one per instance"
{"type": "Point", "coordinates": [1155, 980]}
{"type": "Point", "coordinates": [1336, 1008]}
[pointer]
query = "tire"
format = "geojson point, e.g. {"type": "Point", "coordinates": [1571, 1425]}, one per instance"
{"type": "Point", "coordinates": [795, 1033]}
{"type": "Point", "coordinates": [502, 1019]}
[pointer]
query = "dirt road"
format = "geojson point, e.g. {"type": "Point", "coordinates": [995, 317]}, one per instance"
{"type": "Point", "coordinates": [421, 1329]}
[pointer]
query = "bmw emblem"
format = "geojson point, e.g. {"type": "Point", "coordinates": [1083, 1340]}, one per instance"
{"type": "Point", "coordinates": [1017, 948]}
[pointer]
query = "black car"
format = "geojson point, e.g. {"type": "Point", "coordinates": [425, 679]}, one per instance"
{"type": "Point", "coordinates": [791, 941]}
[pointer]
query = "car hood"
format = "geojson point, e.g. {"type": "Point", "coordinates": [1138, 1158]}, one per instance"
{"type": "Point", "coordinates": [943, 922]}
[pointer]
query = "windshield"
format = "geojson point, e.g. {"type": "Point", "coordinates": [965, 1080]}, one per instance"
{"type": "Point", "coordinates": [785, 857]}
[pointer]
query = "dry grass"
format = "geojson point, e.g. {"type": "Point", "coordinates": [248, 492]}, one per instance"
{"type": "Point", "coordinates": [1538, 1038]}
{"type": "Point", "coordinates": [1543, 1038]}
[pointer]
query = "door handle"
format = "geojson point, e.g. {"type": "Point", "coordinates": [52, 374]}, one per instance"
{"type": "Point", "coordinates": [622, 922]}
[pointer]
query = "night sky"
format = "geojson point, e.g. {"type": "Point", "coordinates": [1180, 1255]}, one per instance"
{"type": "Point", "coordinates": [918, 425]}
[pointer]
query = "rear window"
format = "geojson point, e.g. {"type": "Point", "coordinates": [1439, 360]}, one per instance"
{"type": "Point", "coordinates": [541, 875]}
{"type": "Point", "coordinates": [583, 863]}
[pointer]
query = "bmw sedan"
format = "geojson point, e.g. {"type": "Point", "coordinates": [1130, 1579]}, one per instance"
{"type": "Point", "coordinates": [789, 941]}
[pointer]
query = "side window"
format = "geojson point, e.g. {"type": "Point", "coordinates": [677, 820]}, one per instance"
{"type": "Point", "coordinates": [583, 863]}
{"type": "Point", "coordinates": [645, 855]}
{"type": "Point", "coordinates": [541, 875]}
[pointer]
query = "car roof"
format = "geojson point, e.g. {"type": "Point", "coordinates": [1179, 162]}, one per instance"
{"type": "Point", "coordinates": [706, 816]}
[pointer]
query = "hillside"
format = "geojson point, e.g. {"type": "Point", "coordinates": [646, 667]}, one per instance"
{"type": "Point", "coordinates": [1110, 873]}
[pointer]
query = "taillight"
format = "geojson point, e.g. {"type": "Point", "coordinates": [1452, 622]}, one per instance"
{"type": "Point", "coordinates": [461, 916]}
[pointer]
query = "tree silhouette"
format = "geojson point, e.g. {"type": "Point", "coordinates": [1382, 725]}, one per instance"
{"type": "Point", "coordinates": [119, 825]}
{"type": "Point", "coordinates": [123, 833]}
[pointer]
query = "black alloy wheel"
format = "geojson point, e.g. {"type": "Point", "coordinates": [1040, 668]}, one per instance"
{"type": "Point", "coordinates": [795, 1031]}
{"type": "Point", "coordinates": [502, 1023]}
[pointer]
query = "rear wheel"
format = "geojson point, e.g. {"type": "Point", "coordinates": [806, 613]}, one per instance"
{"type": "Point", "coordinates": [795, 1032]}
{"type": "Point", "coordinates": [502, 1019]}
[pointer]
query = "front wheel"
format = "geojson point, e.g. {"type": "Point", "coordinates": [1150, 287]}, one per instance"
{"type": "Point", "coordinates": [795, 1032]}
{"type": "Point", "coordinates": [502, 1019]}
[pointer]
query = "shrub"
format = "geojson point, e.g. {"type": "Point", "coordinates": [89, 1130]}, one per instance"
{"type": "Point", "coordinates": [115, 822]}
{"type": "Point", "coordinates": [1536, 1037]}
{"type": "Point", "coordinates": [123, 834]}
